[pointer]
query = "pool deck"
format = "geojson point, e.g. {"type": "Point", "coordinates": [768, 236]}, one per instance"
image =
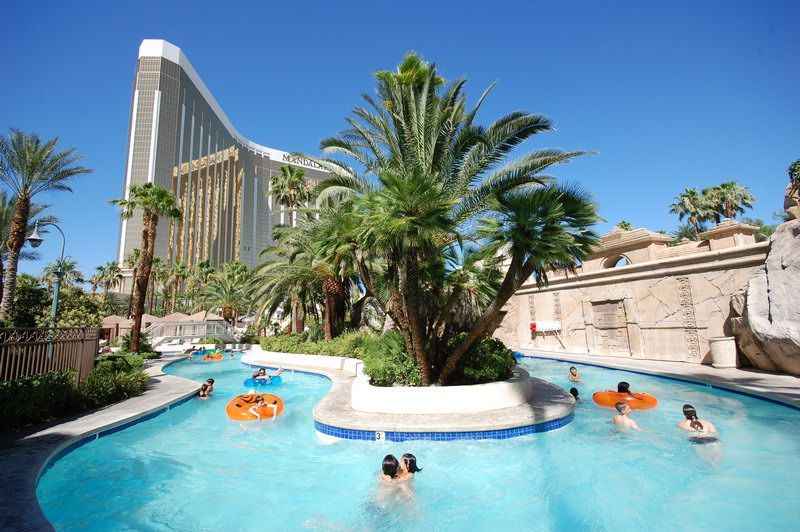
{"type": "Point", "coordinates": [22, 460]}
{"type": "Point", "coordinates": [775, 387]}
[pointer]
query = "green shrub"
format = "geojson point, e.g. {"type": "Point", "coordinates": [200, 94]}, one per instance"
{"type": "Point", "coordinates": [210, 340]}
{"type": "Point", "coordinates": [108, 384]}
{"type": "Point", "coordinates": [144, 343]}
{"type": "Point", "coordinates": [53, 395]}
{"type": "Point", "coordinates": [386, 361]}
{"type": "Point", "coordinates": [489, 360]}
{"type": "Point", "coordinates": [38, 398]}
{"type": "Point", "coordinates": [346, 345]}
{"type": "Point", "coordinates": [120, 362]}
{"type": "Point", "coordinates": [284, 343]}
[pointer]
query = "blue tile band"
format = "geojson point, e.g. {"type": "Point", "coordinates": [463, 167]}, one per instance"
{"type": "Point", "coordinates": [399, 436]}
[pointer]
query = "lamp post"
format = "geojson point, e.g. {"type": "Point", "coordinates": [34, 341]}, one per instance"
{"type": "Point", "coordinates": [35, 240]}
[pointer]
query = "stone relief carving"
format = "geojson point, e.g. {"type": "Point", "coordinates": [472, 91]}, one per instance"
{"type": "Point", "coordinates": [688, 317]}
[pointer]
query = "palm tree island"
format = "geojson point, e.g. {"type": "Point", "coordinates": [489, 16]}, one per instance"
{"type": "Point", "coordinates": [432, 219]}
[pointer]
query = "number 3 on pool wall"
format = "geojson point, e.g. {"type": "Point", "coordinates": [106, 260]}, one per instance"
{"type": "Point", "coordinates": [380, 436]}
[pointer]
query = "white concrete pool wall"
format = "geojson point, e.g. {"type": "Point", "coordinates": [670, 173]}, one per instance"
{"type": "Point", "coordinates": [442, 399]}
{"type": "Point", "coordinates": [408, 399]}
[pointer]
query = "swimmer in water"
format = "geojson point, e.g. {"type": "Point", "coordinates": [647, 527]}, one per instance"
{"type": "Point", "coordinates": [408, 466]}
{"type": "Point", "coordinates": [393, 488]}
{"type": "Point", "coordinates": [574, 393]}
{"type": "Point", "coordinates": [700, 430]}
{"type": "Point", "coordinates": [203, 393]}
{"type": "Point", "coordinates": [624, 387]}
{"type": "Point", "coordinates": [574, 376]}
{"type": "Point", "coordinates": [623, 420]}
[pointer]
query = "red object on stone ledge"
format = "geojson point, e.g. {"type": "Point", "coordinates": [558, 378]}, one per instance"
{"type": "Point", "coordinates": [533, 326]}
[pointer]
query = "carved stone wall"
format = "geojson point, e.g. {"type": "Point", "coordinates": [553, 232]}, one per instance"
{"type": "Point", "coordinates": [670, 307]}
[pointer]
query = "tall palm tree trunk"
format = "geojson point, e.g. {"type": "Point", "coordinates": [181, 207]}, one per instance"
{"type": "Point", "coordinates": [130, 298]}
{"type": "Point", "coordinates": [490, 319]}
{"type": "Point", "coordinates": [16, 239]}
{"type": "Point", "coordinates": [174, 296]}
{"type": "Point", "coordinates": [298, 322]}
{"type": "Point", "coordinates": [152, 290]}
{"type": "Point", "coordinates": [142, 277]}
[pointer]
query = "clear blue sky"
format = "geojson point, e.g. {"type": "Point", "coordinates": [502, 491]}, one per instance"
{"type": "Point", "coordinates": [689, 93]}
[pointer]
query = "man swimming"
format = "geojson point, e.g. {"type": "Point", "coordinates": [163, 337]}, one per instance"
{"type": "Point", "coordinates": [574, 393]}
{"type": "Point", "coordinates": [574, 376]}
{"type": "Point", "coordinates": [700, 430]}
{"type": "Point", "coordinates": [622, 420]}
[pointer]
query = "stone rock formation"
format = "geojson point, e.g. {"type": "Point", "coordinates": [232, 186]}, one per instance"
{"type": "Point", "coordinates": [766, 319]}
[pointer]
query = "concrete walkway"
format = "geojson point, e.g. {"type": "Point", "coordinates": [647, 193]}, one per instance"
{"type": "Point", "coordinates": [22, 460]}
{"type": "Point", "coordinates": [781, 388]}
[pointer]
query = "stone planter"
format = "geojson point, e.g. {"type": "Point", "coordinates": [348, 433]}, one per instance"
{"type": "Point", "coordinates": [723, 351]}
{"type": "Point", "coordinates": [515, 391]}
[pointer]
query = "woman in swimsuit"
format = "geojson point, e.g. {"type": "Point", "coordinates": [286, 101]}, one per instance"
{"type": "Point", "coordinates": [700, 430]}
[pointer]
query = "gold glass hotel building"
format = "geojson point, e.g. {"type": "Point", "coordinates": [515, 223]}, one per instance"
{"type": "Point", "coordinates": [181, 139]}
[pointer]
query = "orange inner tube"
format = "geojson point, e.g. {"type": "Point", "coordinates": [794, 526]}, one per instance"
{"type": "Point", "coordinates": [238, 408]}
{"type": "Point", "coordinates": [637, 401]}
{"type": "Point", "coordinates": [214, 356]}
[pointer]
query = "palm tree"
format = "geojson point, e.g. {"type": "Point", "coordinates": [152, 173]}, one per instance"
{"type": "Point", "coordinates": [728, 200]}
{"type": "Point", "coordinates": [111, 276]}
{"type": "Point", "coordinates": [130, 262]}
{"type": "Point", "coordinates": [6, 215]}
{"type": "Point", "coordinates": [693, 205]}
{"type": "Point", "coordinates": [177, 276]}
{"type": "Point", "coordinates": [159, 273]}
{"type": "Point", "coordinates": [434, 180]}
{"type": "Point", "coordinates": [290, 189]}
{"type": "Point", "coordinates": [625, 225]}
{"type": "Point", "coordinates": [70, 275]}
{"type": "Point", "coordinates": [287, 280]}
{"type": "Point", "coordinates": [684, 232]}
{"type": "Point", "coordinates": [154, 201]}
{"type": "Point", "coordinates": [29, 167]}
{"type": "Point", "coordinates": [230, 290]}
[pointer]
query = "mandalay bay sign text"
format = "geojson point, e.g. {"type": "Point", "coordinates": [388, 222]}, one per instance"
{"type": "Point", "coordinates": [300, 160]}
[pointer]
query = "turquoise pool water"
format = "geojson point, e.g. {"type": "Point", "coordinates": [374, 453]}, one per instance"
{"type": "Point", "coordinates": [193, 469]}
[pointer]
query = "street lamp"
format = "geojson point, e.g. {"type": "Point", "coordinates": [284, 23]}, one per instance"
{"type": "Point", "coordinates": [35, 240]}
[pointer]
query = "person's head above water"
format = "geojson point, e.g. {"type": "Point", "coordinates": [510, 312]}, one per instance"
{"type": "Point", "coordinates": [622, 407]}
{"type": "Point", "coordinates": [410, 463]}
{"type": "Point", "coordinates": [574, 393]}
{"type": "Point", "coordinates": [623, 387]}
{"type": "Point", "coordinates": [210, 381]}
{"type": "Point", "coordinates": [390, 466]}
{"type": "Point", "coordinates": [573, 370]}
{"type": "Point", "coordinates": [691, 414]}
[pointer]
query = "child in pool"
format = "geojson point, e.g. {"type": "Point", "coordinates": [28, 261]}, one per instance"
{"type": "Point", "coordinates": [622, 420]}
{"type": "Point", "coordinates": [408, 466]}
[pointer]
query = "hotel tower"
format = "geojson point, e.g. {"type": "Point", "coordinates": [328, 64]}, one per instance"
{"type": "Point", "coordinates": [181, 139]}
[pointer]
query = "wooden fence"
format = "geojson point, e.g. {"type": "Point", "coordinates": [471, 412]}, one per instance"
{"type": "Point", "coordinates": [27, 352]}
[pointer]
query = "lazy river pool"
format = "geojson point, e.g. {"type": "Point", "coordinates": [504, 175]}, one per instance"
{"type": "Point", "coordinates": [191, 468]}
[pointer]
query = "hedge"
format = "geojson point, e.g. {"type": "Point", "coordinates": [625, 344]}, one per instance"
{"type": "Point", "coordinates": [53, 395]}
